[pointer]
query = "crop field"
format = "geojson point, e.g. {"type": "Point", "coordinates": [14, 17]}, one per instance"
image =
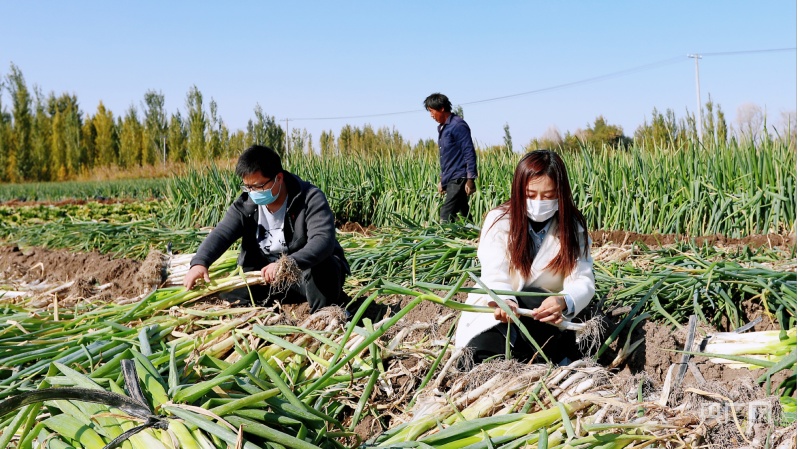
{"type": "Point", "coordinates": [689, 342]}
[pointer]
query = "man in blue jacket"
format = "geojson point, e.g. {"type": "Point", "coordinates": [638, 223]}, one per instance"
{"type": "Point", "coordinates": [457, 155]}
{"type": "Point", "coordinates": [277, 213]}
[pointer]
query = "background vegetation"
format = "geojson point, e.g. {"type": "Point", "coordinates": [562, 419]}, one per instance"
{"type": "Point", "coordinates": [48, 137]}
{"type": "Point", "coordinates": [734, 190]}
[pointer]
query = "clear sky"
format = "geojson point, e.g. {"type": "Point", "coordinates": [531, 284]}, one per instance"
{"type": "Point", "coordinates": [302, 60]}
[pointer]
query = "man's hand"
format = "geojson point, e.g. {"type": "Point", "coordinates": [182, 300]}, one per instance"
{"type": "Point", "coordinates": [470, 187]}
{"type": "Point", "coordinates": [269, 272]}
{"type": "Point", "coordinates": [500, 314]}
{"type": "Point", "coordinates": [440, 188]}
{"type": "Point", "coordinates": [551, 310]}
{"type": "Point", "coordinates": [194, 273]}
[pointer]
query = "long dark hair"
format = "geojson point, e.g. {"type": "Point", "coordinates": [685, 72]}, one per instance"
{"type": "Point", "coordinates": [532, 165]}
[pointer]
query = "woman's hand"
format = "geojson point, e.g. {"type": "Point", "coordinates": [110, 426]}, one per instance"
{"type": "Point", "coordinates": [551, 310]}
{"type": "Point", "coordinates": [500, 314]}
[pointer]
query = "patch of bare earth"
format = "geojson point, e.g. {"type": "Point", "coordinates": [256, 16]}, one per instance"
{"type": "Point", "coordinates": [603, 237]}
{"type": "Point", "coordinates": [89, 271]}
{"type": "Point", "coordinates": [355, 227]}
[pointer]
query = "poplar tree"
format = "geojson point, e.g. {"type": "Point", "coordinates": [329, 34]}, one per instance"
{"type": "Point", "coordinates": [20, 164]}
{"type": "Point", "coordinates": [73, 125]}
{"type": "Point", "coordinates": [237, 143]}
{"type": "Point", "coordinates": [5, 135]}
{"type": "Point", "coordinates": [716, 130]}
{"type": "Point", "coordinates": [58, 152]}
{"type": "Point", "coordinates": [88, 150]}
{"type": "Point", "coordinates": [249, 136]}
{"type": "Point", "coordinates": [130, 132]}
{"type": "Point", "coordinates": [298, 140]}
{"type": "Point", "coordinates": [105, 140]}
{"type": "Point", "coordinates": [197, 123]}
{"type": "Point", "coordinates": [176, 141]}
{"type": "Point", "coordinates": [427, 147]}
{"type": "Point", "coordinates": [224, 135]}
{"type": "Point", "coordinates": [664, 129]}
{"type": "Point", "coordinates": [41, 139]}
{"type": "Point", "coordinates": [265, 131]}
{"type": "Point", "coordinates": [155, 125]}
{"type": "Point", "coordinates": [346, 140]}
{"type": "Point", "coordinates": [327, 143]}
{"type": "Point", "coordinates": [367, 142]}
{"type": "Point", "coordinates": [389, 141]}
{"type": "Point", "coordinates": [214, 131]}
{"type": "Point", "coordinates": [508, 139]}
{"type": "Point", "coordinates": [311, 150]}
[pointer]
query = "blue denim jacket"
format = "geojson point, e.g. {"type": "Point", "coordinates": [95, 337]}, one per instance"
{"type": "Point", "coordinates": [457, 154]}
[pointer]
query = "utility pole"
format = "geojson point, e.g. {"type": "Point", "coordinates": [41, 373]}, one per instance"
{"type": "Point", "coordinates": [699, 116]}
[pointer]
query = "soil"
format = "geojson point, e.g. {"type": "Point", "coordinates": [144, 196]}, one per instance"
{"type": "Point", "coordinates": [354, 227]}
{"type": "Point", "coordinates": [88, 270]}
{"type": "Point", "coordinates": [603, 237]}
{"type": "Point", "coordinates": [659, 350]}
{"type": "Point", "coordinates": [663, 346]}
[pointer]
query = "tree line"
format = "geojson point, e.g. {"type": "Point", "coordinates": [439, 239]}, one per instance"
{"type": "Point", "coordinates": [665, 129]}
{"type": "Point", "coordinates": [48, 137]}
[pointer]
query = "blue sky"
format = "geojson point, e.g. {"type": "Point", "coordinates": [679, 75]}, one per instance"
{"type": "Point", "coordinates": [306, 60]}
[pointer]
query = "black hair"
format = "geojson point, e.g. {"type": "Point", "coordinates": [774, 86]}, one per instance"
{"type": "Point", "coordinates": [438, 101]}
{"type": "Point", "coordinates": [258, 158]}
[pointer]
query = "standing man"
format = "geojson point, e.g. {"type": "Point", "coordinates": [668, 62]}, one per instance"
{"type": "Point", "coordinates": [277, 213]}
{"type": "Point", "coordinates": [457, 155]}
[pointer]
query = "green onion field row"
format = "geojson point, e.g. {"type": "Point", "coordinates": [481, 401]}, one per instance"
{"type": "Point", "coordinates": [734, 191]}
{"type": "Point", "coordinates": [128, 189]}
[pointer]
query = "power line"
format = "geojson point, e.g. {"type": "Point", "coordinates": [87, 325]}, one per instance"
{"type": "Point", "coordinates": [545, 89]}
{"type": "Point", "coordinates": [352, 116]}
{"type": "Point", "coordinates": [594, 79]}
{"type": "Point", "coordinates": [586, 80]}
{"type": "Point", "coordinates": [742, 52]}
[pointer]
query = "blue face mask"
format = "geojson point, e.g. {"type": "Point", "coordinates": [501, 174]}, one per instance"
{"type": "Point", "coordinates": [265, 197]}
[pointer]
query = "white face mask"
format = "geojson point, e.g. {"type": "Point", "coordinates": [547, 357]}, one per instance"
{"type": "Point", "coordinates": [541, 210]}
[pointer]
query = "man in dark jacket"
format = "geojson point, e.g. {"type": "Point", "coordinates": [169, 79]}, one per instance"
{"type": "Point", "coordinates": [278, 213]}
{"type": "Point", "coordinates": [457, 155]}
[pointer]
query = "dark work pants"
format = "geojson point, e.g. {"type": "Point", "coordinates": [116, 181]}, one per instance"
{"type": "Point", "coordinates": [320, 286]}
{"type": "Point", "coordinates": [556, 344]}
{"type": "Point", "coordinates": [455, 202]}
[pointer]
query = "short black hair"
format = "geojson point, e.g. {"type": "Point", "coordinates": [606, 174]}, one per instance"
{"type": "Point", "coordinates": [438, 101]}
{"type": "Point", "coordinates": [258, 158]}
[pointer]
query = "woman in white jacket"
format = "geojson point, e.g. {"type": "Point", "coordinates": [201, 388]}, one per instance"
{"type": "Point", "coordinates": [536, 241]}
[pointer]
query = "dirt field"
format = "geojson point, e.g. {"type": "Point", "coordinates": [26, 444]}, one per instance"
{"type": "Point", "coordinates": [124, 279]}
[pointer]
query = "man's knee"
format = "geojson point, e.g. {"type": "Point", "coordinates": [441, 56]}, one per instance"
{"type": "Point", "coordinates": [322, 285]}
